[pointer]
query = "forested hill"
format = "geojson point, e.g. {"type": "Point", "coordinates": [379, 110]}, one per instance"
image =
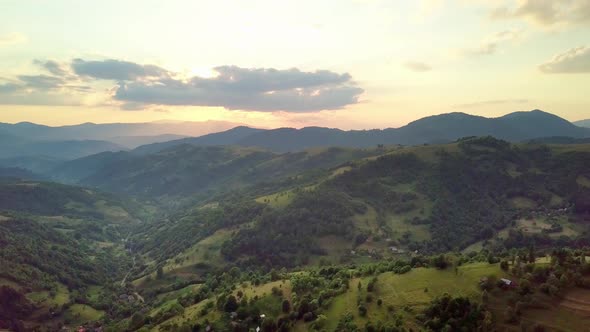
{"type": "Point", "coordinates": [429, 199]}
{"type": "Point", "coordinates": [58, 245]}
{"type": "Point", "coordinates": [185, 171]}
{"type": "Point", "coordinates": [248, 212]}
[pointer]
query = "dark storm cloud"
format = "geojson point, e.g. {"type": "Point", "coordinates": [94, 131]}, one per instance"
{"type": "Point", "coordinates": [117, 70]}
{"type": "Point", "coordinates": [256, 89]}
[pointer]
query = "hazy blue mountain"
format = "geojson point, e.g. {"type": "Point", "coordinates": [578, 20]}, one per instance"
{"type": "Point", "coordinates": [18, 173]}
{"type": "Point", "coordinates": [36, 164]}
{"type": "Point", "coordinates": [443, 128]}
{"type": "Point", "coordinates": [583, 123]}
{"type": "Point", "coordinates": [15, 147]}
{"type": "Point", "coordinates": [129, 135]}
{"type": "Point", "coordinates": [228, 137]}
{"type": "Point", "coordinates": [132, 142]}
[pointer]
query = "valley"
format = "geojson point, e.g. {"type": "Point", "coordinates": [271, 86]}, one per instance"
{"type": "Point", "coordinates": [226, 238]}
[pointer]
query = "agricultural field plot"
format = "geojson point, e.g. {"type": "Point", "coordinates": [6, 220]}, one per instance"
{"type": "Point", "coordinates": [251, 291]}
{"type": "Point", "coordinates": [188, 290]}
{"type": "Point", "coordinates": [281, 199]}
{"type": "Point", "coordinates": [190, 263]}
{"type": "Point", "coordinates": [539, 225]}
{"type": "Point", "coordinates": [400, 226]}
{"type": "Point", "coordinates": [204, 251]}
{"type": "Point", "coordinates": [570, 313]}
{"type": "Point", "coordinates": [267, 303]}
{"type": "Point", "coordinates": [578, 301]}
{"type": "Point", "coordinates": [535, 226]}
{"type": "Point", "coordinates": [278, 200]}
{"type": "Point", "coordinates": [409, 293]}
{"type": "Point", "coordinates": [47, 299]}
{"type": "Point", "coordinates": [82, 313]}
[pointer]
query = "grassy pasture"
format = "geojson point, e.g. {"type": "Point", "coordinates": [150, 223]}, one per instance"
{"type": "Point", "coordinates": [409, 293]}
{"type": "Point", "coordinates": [44, 298]}
{"type": "Point", "coordinates": [82, 313]}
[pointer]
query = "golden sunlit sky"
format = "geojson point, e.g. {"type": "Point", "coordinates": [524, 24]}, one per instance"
{"type": "Point", "coordinates": [345, 63]}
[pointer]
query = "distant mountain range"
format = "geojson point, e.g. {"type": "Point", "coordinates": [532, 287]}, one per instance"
{"type": "Point", "coordinates": [519, 126]}
{"type": "Point", "coordinates": [39, 148]}
{"type": "Point", "coordinates": [27, 140]}
{"type": "Point", "coordinates": [583, 123]}
{"type": "Point", "coordinates": [129, 135]}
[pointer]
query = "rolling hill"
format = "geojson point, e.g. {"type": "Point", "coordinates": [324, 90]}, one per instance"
{"type": "Point", "coordinates": [364, 221]}
{"type": "Point", "coordinates": [183, 171]}
{"type": "Point", "coordinates": [443, 128]}
{"type": "Point", "coordinates": [253, 220]}
{"type": "Point", "coordinates": [583, 123]}
{"type": "Point", "coordinates": [410, 198]}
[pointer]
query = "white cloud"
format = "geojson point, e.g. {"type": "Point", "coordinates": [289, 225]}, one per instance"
{"type": "Point", "coordinates": [575, 60]}
{"type": "Point", "coordinates": [546, 12]}
{"type": "Point", "coordinates": [491, 43]}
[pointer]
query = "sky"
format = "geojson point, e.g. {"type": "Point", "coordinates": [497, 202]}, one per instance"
{"type": "Point", "coordinates": [351, 64]}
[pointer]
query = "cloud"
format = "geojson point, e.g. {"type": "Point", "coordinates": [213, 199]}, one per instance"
{"type": "Point", "coordinates": [9, 88]}
{"type": "Point", "coordinates": [138, 87]}
{"type": "Point", "coordinates": [115, 70]}
{"type": "Point", "coordinates": [490, 44]}
{"type": "Point", "coordinates": [491, 102]}
{"type": "Point", "coordinates": [546, 12]}
{"type": "Point", "coordinates": [52, 67]}
{"type": "Point", "coordinates": [12, 39]}
{"type": "Point", "coordinates": [133, 106]}
{"type": "Point", "coordinates": [575, 60]}
{"type": "Point", "coordinates": [417, 66]}
{"type": "Point", "coordinates": [257, 89]}
{"type": "Point", "coordinates": [42, 82]}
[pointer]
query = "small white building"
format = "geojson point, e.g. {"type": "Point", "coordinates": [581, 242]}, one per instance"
{"type": "Point", "coordinates": [506, 282]}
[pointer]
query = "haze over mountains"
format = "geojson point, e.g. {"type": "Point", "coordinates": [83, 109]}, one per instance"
{"type": "Point", "coordinates": [25, 143]}
{"type": "Point", "coordinates": [42, 149]}
{"type": "Point", "coordinates": [583, 123]}
{"type": "Point", "coordinates": [443, 128]}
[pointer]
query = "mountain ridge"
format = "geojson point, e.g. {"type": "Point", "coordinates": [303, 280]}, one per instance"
{"type": "Point", "coordinates": [443, 128]}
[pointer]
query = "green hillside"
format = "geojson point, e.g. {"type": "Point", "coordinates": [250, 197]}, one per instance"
{"type": "Point", "coordinates": [244, 230]}
{"type": "Point", "coordinates": [63, 253]}
{"type": "Point", "coordinates": [185, 171]}
{"type": "Point", "coordinates": [478, 192]}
